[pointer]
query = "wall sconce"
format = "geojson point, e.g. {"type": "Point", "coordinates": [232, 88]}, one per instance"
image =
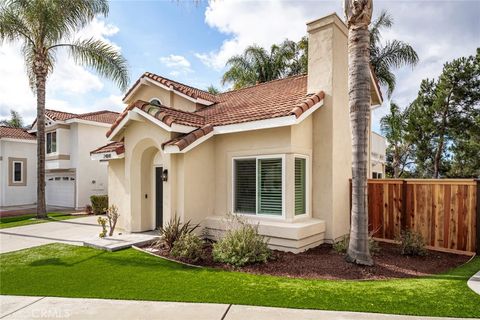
{"type": "Point", "coordinates": [165, 175]}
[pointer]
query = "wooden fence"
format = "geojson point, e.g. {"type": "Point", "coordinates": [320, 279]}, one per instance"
{"type": "Point", "coordinates": [445, 211]}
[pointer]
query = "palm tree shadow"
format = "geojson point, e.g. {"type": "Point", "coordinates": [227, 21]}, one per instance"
{"type": "Point", "coordinates": [61, 263]}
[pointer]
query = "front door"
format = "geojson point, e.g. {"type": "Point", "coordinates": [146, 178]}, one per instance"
{"type": "Point", "coordinates": [158, 197]}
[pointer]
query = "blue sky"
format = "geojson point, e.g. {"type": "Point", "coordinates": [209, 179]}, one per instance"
{"type": "Point", "coordinates": [190, 42]}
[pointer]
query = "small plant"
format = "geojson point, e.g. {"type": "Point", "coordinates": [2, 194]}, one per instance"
{"type": "Point", "coordinates": [173, 231]}
{"type": "Point", "coordinates": [412, 243]}
{"type": "Point", "coordinates": [99, 203]}
{"type": "Point", "coordinates": [189, 246]}
{"type": "Point", "coordinates": [88, 209]}
{"type": "Point", "coordinates": [241, 245]}
{"type": "Point", "coordinates": [341, 246]}
{"type": "Point", "coordinates": [112, 215]}
{"type": "Point", "coordinates": [103, 222]}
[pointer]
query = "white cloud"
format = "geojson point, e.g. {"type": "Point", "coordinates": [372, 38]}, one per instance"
{"type": "Point", "coordinates": [178, 64]}
{"type": "Point", "coordinates": [67, 86]}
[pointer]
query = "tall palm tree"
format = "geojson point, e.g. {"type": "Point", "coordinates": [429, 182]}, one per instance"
{"type": "Point", "coordinates": [358, 14]}
{"type": "Point", "coordinates": [388, 55]}
{"type": "Point", "coordinates": [257, 65]}
{"type": "Point", "coordinates": [15, 120]}
{"type": "Point", "coordinates": [43, 27]}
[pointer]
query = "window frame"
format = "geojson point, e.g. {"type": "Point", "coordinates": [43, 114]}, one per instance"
{"type": "Point", "coordinates": [233, 195]}
{"type": "Point", "coordinates": [21, 171]}
{"type": "Point", "coordinates": [307, 186]}
{"type": "Point", "coordinates": [46, 142]}
{"type": "Point", "coordinates": [11, 172]}
{"type": "Point", "coordinates": [155, 98]}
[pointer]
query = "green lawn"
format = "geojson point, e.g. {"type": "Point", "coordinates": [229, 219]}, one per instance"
{"type": "Point", "coordinates": [23, 220]}
{"type": "Point", "coordinates": [70, 271]}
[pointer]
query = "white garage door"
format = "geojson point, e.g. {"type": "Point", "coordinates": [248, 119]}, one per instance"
{"type": "Point", "coordinates": [60, 191]}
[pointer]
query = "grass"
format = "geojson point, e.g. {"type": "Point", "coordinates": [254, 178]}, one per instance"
{"type": "Point", "coordinates": [23, 220]}
{"type": "Point", "coordinates": [70, 271]}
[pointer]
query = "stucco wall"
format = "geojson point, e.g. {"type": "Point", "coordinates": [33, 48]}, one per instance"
{"type": "Point", "coordinates": [168, 98]}
{"type": "Point", "coordinates": [18, 195]}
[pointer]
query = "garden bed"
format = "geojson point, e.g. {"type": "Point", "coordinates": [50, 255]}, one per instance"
{"type": "Point", "coordinates": [323, 262]}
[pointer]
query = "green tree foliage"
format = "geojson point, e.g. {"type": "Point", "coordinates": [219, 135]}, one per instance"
{"type": "Point", "coordinates": [212, 89]}
{"type": "Point", "coordinates": [257, 65]}
{"type": "Point", "coordinates": [15, 120]}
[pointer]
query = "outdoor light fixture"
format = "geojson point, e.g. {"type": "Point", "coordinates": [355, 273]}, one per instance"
{"type": "Point", "coordinates": [165, 175]}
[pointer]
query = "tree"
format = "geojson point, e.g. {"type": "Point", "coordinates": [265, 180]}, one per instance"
{"type": "Point", "coordinates": [212, 89]}
{"type": "Point", "coordinates": [15, 121]}
{"type": "Point", "coordinates": [391, 54]}
{"type": "Point", "coordinates": [257, 65]}
{"type": "Point", "coordinates": [399, 150]}
{"type": "Point", "coordinates": [358, 14]}
{"type": "Point", "coordinates": [444, 121]}
{"type": "Point", "coordinates": [43, 27]}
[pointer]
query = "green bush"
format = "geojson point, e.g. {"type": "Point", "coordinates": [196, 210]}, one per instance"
{"type": "Point", "coordinates": [173, 231]}
{"type": "Point", "coordinates": [189, 246]}
{"type": "Point", "coordinates": [341, 246]}
{"type": "Point", "coordinates": [241, 246]}
{"type": "Point", "coordinates": [412, 243]}
{"type": "Point", "coordinates": [99, 204]}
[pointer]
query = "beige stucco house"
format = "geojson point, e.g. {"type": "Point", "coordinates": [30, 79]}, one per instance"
{"type": "Point", "coordinates": [378, 150]}
{"type": "Point", "coordinates": [278, 153]}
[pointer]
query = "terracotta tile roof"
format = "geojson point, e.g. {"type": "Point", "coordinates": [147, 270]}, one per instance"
{"type": "Point", "coordinates": [104, 116]}
{"type": "Point", "coordinates": [59, 115]}
{"type": "Point", "coordinates": [183, 88]}
{"type": "Point", "coordinates": [184, 141]}
{"type": "Point", "coordinates": [15, 133]}
{"type": "Point", "coordinates": [116, 147]}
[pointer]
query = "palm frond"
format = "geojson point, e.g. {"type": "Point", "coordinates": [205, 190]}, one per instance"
{"type": "Point", "coordinates": [100, 56]}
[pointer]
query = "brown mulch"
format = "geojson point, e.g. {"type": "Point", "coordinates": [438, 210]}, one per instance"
{"type": "Point", "coordinates": [323, 262]}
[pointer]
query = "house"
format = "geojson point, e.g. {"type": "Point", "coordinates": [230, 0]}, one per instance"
{"type": "Point", "coordinates": [277, 153]}
{"type": "Point", "coordinates": [71, 177]}
{"type": "Point", "coordinates": [378, 147]}
{"type": "Point", "coordinates": [18, 167]}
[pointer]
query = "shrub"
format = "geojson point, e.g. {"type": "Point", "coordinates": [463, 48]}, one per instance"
{"type": "Point", "coordinates": [112, 215]}
{"type": "Point", "coordinates": [240, 246]}
{"type": "Point", "coordinates": [99, 203]}
{"type": "Point", "coordinates": [412, 243]}
{"type": "Point", "coordinates": [341, 246]}
{"type": "Point", "coordinates": [88, 209]}
{"type": "Point", "coordinates": [173, 231]}
{"type": "Point", "coordinates": [103, 223]}
{"type": "Point", "coordinates": [189, 246]}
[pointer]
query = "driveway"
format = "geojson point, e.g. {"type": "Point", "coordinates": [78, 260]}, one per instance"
{"type": "Point", "coordinates": [73, 231]}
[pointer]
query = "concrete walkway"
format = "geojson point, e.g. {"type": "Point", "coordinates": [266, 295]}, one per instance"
{"type": "Point", "coordinates": [75, 232]}
{"type": "Point", "coordinates": [19, 307]}
{"type": "Point", "coordinates": [474, 282]}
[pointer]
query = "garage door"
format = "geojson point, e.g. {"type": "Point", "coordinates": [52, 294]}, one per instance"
{"type": "Point", "coordinates": [60, 191]}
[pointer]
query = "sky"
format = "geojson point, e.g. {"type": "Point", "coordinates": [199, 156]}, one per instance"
{"type": "Point", "coordinates": [190, 41]}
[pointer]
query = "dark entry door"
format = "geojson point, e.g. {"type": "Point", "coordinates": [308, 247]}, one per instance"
{"type": "Point", "coordinates": [158, 197]}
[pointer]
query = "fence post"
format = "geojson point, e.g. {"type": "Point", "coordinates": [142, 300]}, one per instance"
{"type": "Point", "coordinates": [403, 220]}
{"type": "Point", "coordinates": [478, 218]}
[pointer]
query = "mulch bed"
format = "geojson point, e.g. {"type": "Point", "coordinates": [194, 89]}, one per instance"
{"type": "Point", "coordinates": [323, 262]}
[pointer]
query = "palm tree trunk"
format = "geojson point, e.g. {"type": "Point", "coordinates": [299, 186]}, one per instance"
{"type": "Point", "coordinates": [40, 87]}
{"type": "Point", "coordinates": [359, 103]}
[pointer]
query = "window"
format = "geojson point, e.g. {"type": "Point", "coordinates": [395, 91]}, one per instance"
{"type": "Point", "coordinates": [17, 171]}
{"type": "Point", "coordinates": [156, 101]}
{"type": "Point", "coordinates": [51, 142]}
{"type": "Point", "coordinates": [258, 186]}
{"type": "Point", "coordinates": [300, 186]}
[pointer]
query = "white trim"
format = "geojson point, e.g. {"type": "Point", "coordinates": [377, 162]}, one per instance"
{"type": "Point", "coordinates": [377, 91]}
{"type": "Point", "coordinates": [21, 171]}
{"type": "Point", "coordinates": [174, 128]}
{"type": "Point", "coordinates": [308, 171]}
{"type": "Point", "coordinates": [18, 140]}
{"type": "Point", "coordinates": [105, 156]}
{"type": "Point", "coordinates": [130, 116]}
{"type": "Point", "coordinates": [176, 149]}
{"type": "Point", "coordinates": [256, 214]}
{"type": "Point", "coordinates": [46, 142]}
{"type": "Point", "coordinates": [89, 122]}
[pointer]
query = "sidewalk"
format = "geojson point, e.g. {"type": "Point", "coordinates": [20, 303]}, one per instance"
{"type": "Point", "coordinates": [22, 307]}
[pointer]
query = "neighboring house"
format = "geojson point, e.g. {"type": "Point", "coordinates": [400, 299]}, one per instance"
{"type": "Point", "coordinates": [378, 147]}
{"type": "Point", "coordinates": [71, 177]}
{"type": "Point", "coordinates": [18, 167]}
{"type": "Point", "coordinates": [278, 153]}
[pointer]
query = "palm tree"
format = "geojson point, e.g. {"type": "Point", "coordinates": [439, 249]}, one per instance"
{"type": "Point", "coordinates": [15, 121]}
{"type": "Point", "coordinates": [257, 65]}
{"type": "Point", "coordinates": [43, 27]}
{"type": "Point", "coordinates": [358, 13]}
{"type": "Point", "coordinates": [391, 54]}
